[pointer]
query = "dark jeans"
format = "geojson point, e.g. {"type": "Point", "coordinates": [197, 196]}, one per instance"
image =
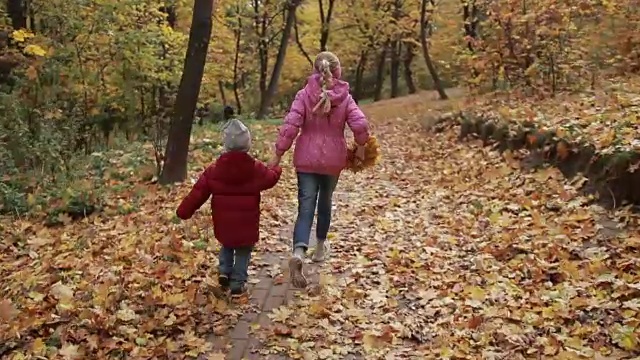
{"type": "Point", "coordinates": [313, 189]}
{"type": "Point", "coordinates": [234, 262]}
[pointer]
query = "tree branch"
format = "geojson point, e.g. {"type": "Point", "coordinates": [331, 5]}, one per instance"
{"type": "Point", "coordinates": [295, 27]}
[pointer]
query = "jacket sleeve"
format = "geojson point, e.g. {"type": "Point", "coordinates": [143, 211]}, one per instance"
{"type": "Point", "coordinates": [267, 177]}
{"type": "Point", "coordinates": [357, 122]}
{"type": "Point", "coordinates": [292, 123]}
{"type": "Point", "coordinates": [198, 195]}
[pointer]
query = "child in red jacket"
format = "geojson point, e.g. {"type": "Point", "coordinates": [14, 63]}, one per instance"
{"type": "Point", "coordinates": [234, 183]}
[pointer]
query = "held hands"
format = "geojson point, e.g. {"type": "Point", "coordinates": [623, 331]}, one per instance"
{"type": "Point", "coordinates": [274, 161]}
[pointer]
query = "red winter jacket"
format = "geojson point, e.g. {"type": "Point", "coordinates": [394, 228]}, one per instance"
{"type": "Point", "coordinates": [234, 181]}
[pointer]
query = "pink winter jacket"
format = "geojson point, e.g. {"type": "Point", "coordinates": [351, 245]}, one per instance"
{"type": "Point", "coordinates": [321, 147]}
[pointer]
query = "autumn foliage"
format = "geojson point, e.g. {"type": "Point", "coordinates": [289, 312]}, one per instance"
{"type": "Point", "coordinates": [372, 155]}
{"type": "Point", "coordinates": [548, 46]}
{"type": "Point", "coordinates": [484, 237]}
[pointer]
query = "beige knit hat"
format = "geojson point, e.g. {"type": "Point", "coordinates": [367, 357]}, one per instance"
{"type": "Point", "coordinates": [236, 136]}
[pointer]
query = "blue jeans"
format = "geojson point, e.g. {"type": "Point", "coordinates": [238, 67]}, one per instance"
{"type": "Point", "coordinates": [234, 262]}
{"type": "Point", "coordinates": [313, 189]}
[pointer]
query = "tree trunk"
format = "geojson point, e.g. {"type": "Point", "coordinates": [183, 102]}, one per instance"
{"type": "Point", "coordinates": [222, 94]}
{"type": "Point", "coordinates": [408, 74]}
{"type": "Point", "coordinates": [261, 26]}
{"type": "Point", "coordinates": [176, 155]}
{"type": "Point", "coordinates": [362, 63]}
{"type": "Point", "coordinates": [236, 60]}
{"type": "Point", "coordinates": [171, 19]}
{"type": "Point", "coordinates": [395, 68]}
{"type": "Point", "coordinates": [16, 9]}
{"type": "Point", "coordinates": [236, 81]}
{"type": "Point", "coordinates": [470, 18]}
{"type": "Point", "coordinates": [425, 51]}
{"type": "Point", "coordinates": [380, 72]}
{"type": "Point", "coordinates": [265, 102]}
{"type": "Point", "coordinates": [394, 71]}
{"type": "Point", "coordinates": [325, 23]}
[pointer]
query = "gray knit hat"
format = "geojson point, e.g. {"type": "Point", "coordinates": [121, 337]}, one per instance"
{"type": "Point", "coordinates": [236, 136]}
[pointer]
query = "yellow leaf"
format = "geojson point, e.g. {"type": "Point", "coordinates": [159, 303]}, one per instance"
{"type": "Point", "coordinates": [18, 356]}
{"type": "Point", "coordinates": [31, 199]}
{"type": "Point", "coordinates": [174, 299]}
{"type": "Point", "coordinates": [495, 217]}
{"type": "Point", "coordinates": [548, 313]}
{"type": "Point", "coordinates": [628, 342]}
{"type": "Point", "coordinates": [34, 50]}
{"type": "Point", "coordinates": [532, 70]}
{"type": "Point", "coordinates": [476, 293]}
{"type": "Point", "coordinates": [446, 352]}
{"type": "Point", "coordinates": [370, 342]}
{"type": "Point", "coordinates": [38, 347]}
{"type": "Point", "coordinates": [21, 35]}
{"type": "Point", "coordinates": [573, 343]}
{"type": "Point", "coordinates": [36, 296]}
{"type": "Point", "coordinates": [625, 338]}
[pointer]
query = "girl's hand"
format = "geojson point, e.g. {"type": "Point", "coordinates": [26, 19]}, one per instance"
{"type": "Point", "coordinates": [360, 152]}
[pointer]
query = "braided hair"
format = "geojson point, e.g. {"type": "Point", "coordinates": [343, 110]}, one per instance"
{"type": "Point", "coordinates": [326, 63]}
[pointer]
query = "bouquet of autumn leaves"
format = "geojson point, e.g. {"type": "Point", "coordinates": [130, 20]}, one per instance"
{"type": "Point", "coordinates": [371, 155]}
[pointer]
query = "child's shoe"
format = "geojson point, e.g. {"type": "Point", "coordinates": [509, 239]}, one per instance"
{"type": "Point", "coordinates": [240, 292]}
{"type": "Point", "coordinates": [322, 251]}
{"type": "Point", "coordinates": [223, 280]}
{"type": "Point", "coordinates": [295, 270]}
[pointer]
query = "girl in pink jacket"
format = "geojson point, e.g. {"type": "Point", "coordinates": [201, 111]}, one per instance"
{"type": "Point", "coordinates": [319, 113]}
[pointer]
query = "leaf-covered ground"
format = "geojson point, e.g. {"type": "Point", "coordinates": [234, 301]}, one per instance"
{"type": "Point", "coordinates": [445, 250]}
{"type": "Point", "coordinates": [449, 250]}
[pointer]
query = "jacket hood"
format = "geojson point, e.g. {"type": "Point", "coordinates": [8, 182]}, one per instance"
{"type": "Point", "coordinates": [234, 167]}
{"type": "Point", "coordinates": [337, 93]}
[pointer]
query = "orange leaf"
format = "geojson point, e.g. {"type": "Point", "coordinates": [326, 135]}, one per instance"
{"type": "Point", "coordinates": [474, 322]}
{"type": "Point", "coordinates": [7, 310]}
{"type": "Point", "coordinates": [562, 150]}
{"type": "Point", "coordinates": [31, 73]}
{"type": "Point", "coordinates": [281, 330]}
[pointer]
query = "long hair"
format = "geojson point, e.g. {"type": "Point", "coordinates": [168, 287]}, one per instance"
{"type": "Point", "coordinates": [326, 64]}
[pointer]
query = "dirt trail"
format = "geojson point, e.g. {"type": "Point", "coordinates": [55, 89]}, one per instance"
{"type": "Point", "coordinates": [445, 250]}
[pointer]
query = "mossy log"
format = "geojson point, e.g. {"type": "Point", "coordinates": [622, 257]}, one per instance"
{"type": "Point", "coordinates": [611, 175]}
{"type": "Point", "coordinates": [466, 126]}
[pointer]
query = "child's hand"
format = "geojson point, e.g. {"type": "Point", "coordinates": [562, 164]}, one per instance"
{"type": "Point", "coordinates": [275, 161]}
